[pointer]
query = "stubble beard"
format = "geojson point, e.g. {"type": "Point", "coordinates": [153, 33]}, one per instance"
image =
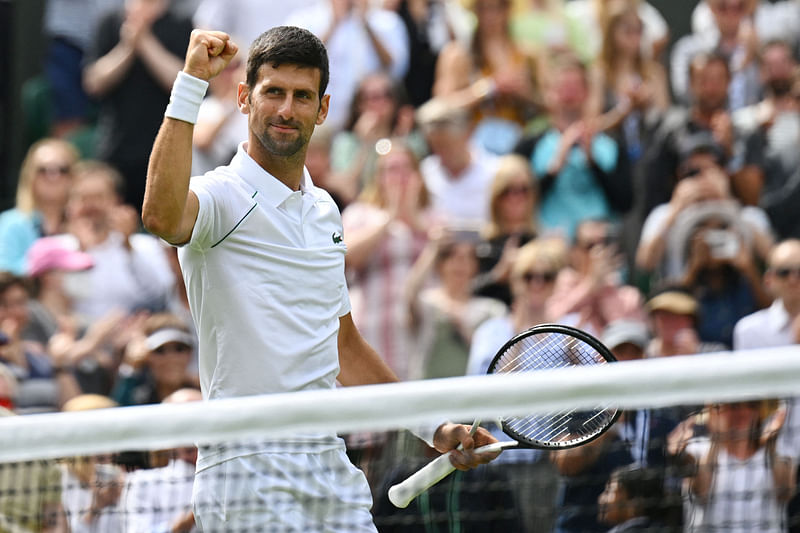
{"type": "Point", "coordinates": [281, 148]}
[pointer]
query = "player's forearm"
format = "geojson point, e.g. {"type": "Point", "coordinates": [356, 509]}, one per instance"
{"type": "Point", "coordinates": [359, 363]}
{"type": "Point", "coordinates": [167, 187]}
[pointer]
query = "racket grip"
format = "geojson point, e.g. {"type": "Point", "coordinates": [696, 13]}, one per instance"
{"type": "Point", "coordinates": [404, 492]}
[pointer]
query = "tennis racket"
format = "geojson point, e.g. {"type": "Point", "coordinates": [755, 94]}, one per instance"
{"type": "Point", "coordinates": [543, 347]}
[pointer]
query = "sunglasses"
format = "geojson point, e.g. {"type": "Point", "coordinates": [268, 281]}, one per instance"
{"type": "Point", "coordinates": [539, 277]}
{"type": "Point", "coordinates": [175, 347]}
{"type": "Point", "coordinates": [588, 245]}
{"type": "Point", "coordinates": [786, 272]}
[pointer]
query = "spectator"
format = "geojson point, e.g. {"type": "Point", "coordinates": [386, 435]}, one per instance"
{"type": "Point", "coordinates": [576, 166]}
{"type": "Point", "coordinates": [160, 499]}
{"type": "Point", "coordinates": [547, 27]}
{"type": "Point", "coordinates": [220, 125]}
{"type": "Point", "coordinates": [70, 26]}
{"type": "Point", "coordinates": [44, 182]}
{"type": "Point", "coordinates": [703, 192]}
{"type": "Point", "coordinates": [361, 39]}
{"type": "Point", "coordinates": [30, 491]}
{"type": "Point", "coordinates": [590, 292]}
{"type": "Point", "coordinates": [776, 122]}
{"type": "Point", "coordinates": [513, 203]}
{"type": "Point", "coordinates": [494, 78]}
{"type": "Point", "coordinates": [674, 317]}
{"type": "Point", "coordinates": [342, 189]}
{"type": "Point", "coordinates": [458, 173]}
{"type": "Point", "coordinates": [735, 40]}
{"type": "Point", "coordinates": [709, 78]}
{"type": "Point", "coordinates": [594, 13]}
{"type": "Point", "coordinates": [42, 385]}
{"type": "Point", "coordinates": [130, 70]}
{"type": "Point", "coordinates": [385, 231]}
{"type": "Point", "coordinates": [131, 271]}
{"type": "Point", "coordinates": [632, 500]}
{"type": "Point", "coordinates": [773, 326]}
{"type": "Point", "coordinates": [246, 19]}
{"type": "Point", "coordinates": [156, 363]}
{"type": "Point", "coordinates": [531, 280]}
{"type": "Point", "coordinates": [738, 484]}
{"type": "Point", "coordinates": [378, 111]}
{"type": "Point", "coordinates": [723, 275]}
{"type": "Point", "coordinates": [629, 88]}
{"type": "Point", "coordinates": [445, 314]}
{"type": "Point", "coordinates": [431, 24]}
{"type": "Point", "coordinates": [48, 259]}
{"type": "Point", "coordinates": [770, 20]}
{"type": "Point", "coordinates": [91, 486]}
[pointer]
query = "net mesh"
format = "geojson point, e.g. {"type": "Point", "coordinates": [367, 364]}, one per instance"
{"type": "Point", "coordinates": [705, 443]}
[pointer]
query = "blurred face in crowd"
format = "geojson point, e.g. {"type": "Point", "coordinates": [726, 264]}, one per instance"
{"type": "Point", "coordinates": [728, 15]}
{"type": "Point", "coordinates": [493, 15]}
{"type": "Point", "coordinates": [52, 176]}
{"type": "Point", "coordinates": [14, 305]}
{"type": "Point", "coordinates": [458, 263]}
{"type": "Point", "coordinates": [533, 284]}
{"type": "Point", "coordinates": [778, 68]}
{"type": "Point", "coordinates": [568, 89]}
{"type": "Point", "coordinates": [516, 200]}
{"type": "Point", "coordinates": [612, 502]}
{"type": "Point", "coordinates": [376, 97]}
{"type": "Point", "coordinates": [92, 198]}
{"type": "Point", "coordinates": [709, 81]}
{"type": "Point", "coordinates": [169, 362]}
{"type": "Point", "coordinates": [669, 326]}
{"type": "Point", "coordinates": [627, 351]}
{"type": "Point", "coordinates": [783, 273]}
{"type": "Point", "coordinates": [591, 236]}
{"type": "Point", "coordinates": [735, 420]}
{"type": "Point", "coordinates": [627, 34]}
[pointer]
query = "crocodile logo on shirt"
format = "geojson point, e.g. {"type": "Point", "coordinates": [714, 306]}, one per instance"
{"type": "Point", "coordinates": [337, 237]}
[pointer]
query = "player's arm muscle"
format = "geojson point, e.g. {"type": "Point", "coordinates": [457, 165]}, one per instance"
{"type": "Point", "coordinates": [359, 363]}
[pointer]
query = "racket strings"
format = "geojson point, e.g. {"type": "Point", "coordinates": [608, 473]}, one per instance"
{"type": "Point", "coordinates": [546, 351]}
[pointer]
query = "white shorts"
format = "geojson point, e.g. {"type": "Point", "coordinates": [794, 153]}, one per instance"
{"type": "Point", "coordinates": [283, 492]}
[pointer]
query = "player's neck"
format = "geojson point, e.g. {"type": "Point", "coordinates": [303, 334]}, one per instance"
{"type": "Point", "coordinates": [288, 170]}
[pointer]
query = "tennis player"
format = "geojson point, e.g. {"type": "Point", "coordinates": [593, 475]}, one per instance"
{"type": "Point", "coordinates": [262, 255]}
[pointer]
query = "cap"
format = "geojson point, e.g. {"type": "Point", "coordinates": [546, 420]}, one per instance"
{"type": "Point", "coordinates": [52, 253]}
{"type": "Point", "coordinates": [673, 301]}
{"type": "Point", "coordinates": [625, 330]}
{"type": "Point", "coordinates": [160, 337]}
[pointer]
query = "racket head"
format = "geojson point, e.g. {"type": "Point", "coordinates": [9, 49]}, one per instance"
{"type": "Point", "coordinates": [547, 347]}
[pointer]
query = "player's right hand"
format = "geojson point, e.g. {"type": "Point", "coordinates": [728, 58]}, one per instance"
{"type": "Point", "coordinates": [208, 54]}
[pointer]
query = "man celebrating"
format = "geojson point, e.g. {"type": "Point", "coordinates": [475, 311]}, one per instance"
{"type": "Point", "coordinates": [263, 260]}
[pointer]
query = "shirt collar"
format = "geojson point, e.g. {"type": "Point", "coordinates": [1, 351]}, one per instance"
{"type": "Point", "coordinates": [270, 188]}
{"type": "Point", "coordinates": [778, 314]}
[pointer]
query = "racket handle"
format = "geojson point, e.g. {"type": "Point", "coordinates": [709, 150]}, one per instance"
{"type": "Point", "coordinates": [404, 492]}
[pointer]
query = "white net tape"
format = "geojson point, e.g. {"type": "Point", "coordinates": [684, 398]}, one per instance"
{"type": "Point", "coordinates": [662, 382]}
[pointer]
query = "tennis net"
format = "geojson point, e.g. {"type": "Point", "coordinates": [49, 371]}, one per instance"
{"type": "Point", "coordinates": [706, 443]}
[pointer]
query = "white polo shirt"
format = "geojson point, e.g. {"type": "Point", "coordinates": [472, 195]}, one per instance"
{"type": "Point", "coordinates": [264, 273]}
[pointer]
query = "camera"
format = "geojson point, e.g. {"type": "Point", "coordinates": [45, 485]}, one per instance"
{"type": "Point", "coordinates": [723, 243]}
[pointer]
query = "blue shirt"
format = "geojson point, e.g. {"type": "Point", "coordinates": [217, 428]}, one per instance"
{"type": "Point", "coordinates": [576, 193]}
{"type": "Point", "coordinates": [18, 231]}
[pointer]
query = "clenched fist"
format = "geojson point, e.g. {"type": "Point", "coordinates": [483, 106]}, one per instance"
{"type": "Point", "coordinates": [208, 54]}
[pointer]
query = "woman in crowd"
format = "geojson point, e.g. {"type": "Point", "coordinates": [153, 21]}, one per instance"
{"type": "Point", "coordinates": [445, 314]}
{"type": "Point", "coordinates": [44, 183]}
{"type": "Point", "coordinates": [157, 362]}
{"type": "Point", "coordinates": [378, 111]}
{"type": "Point", "coordinates": [513, 199]}
{"type": "Point", "coordinates": [494, 77]}
{"type": "Point", "coordinates": [736, 481]}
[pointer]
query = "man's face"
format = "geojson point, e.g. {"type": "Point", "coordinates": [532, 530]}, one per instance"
{"type": "Point", "coordinates": [783, 275]}
{"type": "Point", "coordinates": [710, 86]}
{"type": "Point", "coordinates": [777, 69]}
{"type": "Point", "coordinates": [283, 107]}
{"type": "Point", "coordinates": [93, 198]}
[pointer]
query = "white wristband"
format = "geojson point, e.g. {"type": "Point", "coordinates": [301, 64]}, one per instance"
{"type": "Point", "coordinates": [187, 95]}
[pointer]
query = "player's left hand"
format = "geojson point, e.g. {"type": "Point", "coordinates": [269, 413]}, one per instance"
{"type": "Point", "coordinates": [450, 436]}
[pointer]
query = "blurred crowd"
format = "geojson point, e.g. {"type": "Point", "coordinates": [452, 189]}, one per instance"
{"type": "Point", "coordinates": [498, 164]}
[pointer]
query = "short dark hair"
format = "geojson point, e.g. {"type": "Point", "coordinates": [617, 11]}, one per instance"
{"type": "Point", "coordinates": [288, 45]}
